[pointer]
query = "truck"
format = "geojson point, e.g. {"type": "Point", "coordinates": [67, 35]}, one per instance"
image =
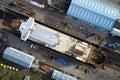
{"type": "Point", "coordinates": [115, 32]}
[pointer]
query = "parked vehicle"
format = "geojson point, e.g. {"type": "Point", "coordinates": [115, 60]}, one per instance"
{"type": "Point", "coordinates": [62, 61]}
{"type": "Point", "coordinates": [115, 32]}
{"type": "Point", "coordinates": [113, 45]}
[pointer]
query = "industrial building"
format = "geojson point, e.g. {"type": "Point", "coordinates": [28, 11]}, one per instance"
{"type": "Point", "coordinates": [94, 12]}
{"type": "Point", "coordinates": [18, 57]}
{"type": "Point", "coordinates": [57, 75]}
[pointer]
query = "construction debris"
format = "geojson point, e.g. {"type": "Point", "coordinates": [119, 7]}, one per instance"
{"type": "Point", "coordinates": [24, 8]}
{"type": "Point", "coordinates": [15, 23]}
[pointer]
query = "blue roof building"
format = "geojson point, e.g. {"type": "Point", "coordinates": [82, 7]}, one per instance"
{"type": "Point", "coordinates": [18, 57]}
{"type": "Point", "coordinates": [57, 75]}
{"type": "Point", "coordinates": [94, 12]}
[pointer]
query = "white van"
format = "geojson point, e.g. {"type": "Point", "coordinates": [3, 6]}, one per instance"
{"type": "Point", "coordinates": [115, 32]}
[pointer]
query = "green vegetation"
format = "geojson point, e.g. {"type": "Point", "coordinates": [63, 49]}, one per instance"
{"type": "Point", "coordinates": [10, 72]}
{"type": "Point", "coordinates": [1, 69]}
{"type": "Point", "coordinates": [6, 74]}
{"type": "Point", "coordinates": [18, 76]}
{"type": "Point", "coordinates": [37, 75]}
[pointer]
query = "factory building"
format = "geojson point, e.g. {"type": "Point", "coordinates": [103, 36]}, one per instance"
{"type": "Point", "coordinates": [18, 57]}
{"type": "Point", "coordinates": [94, 12]}
{"type": "Point", "coordinates": [57, 75]}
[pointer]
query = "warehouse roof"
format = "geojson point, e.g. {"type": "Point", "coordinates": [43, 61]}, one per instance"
{"type": "Point", "coordinates": [57, 75]}
{"type": "Point", "coordinates": [18, 57]}
{"type": "Point", "coordinates": [95, 12]}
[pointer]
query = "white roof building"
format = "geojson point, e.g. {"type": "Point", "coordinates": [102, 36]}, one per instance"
{"type": "Point", "coordinates": [57, 75]}
{"type": "Point", "coordinates": [18, 57]}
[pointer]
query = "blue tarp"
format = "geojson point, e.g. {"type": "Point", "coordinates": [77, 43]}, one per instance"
{"type": "Point", "coordinates": [62, 61]}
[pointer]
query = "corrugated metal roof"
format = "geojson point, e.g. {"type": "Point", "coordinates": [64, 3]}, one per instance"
{"type": "Point", "coordinates": [94, 12]}
{"type": "Point", "coordinates": [57, 75]}
{"type": "Point", "coordinates": [18, 57]}
{"type": "Point", "coordinates": [98, 7]}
